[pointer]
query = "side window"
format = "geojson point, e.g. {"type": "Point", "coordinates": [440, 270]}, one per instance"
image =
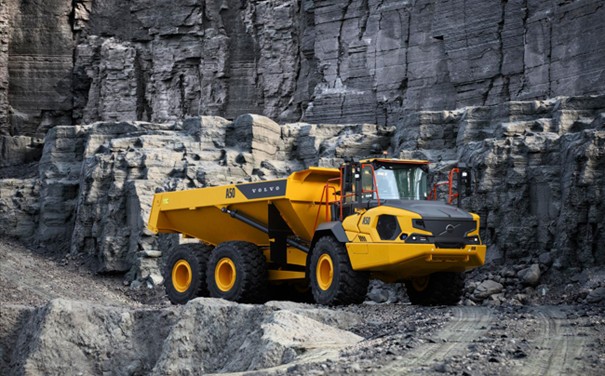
{"type": "Point", "coordinates": [367, 181]}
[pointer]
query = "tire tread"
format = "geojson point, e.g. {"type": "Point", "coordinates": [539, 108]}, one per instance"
{"type": "Point", "coordinates": [353, 285]}
{"type": "Point", "coordinates": [194, 253]}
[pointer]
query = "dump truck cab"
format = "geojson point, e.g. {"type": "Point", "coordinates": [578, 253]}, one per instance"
{"type": "Point", "coordinates": [329, 230]}
{"type": "Point", "coordinates": [394, 232]}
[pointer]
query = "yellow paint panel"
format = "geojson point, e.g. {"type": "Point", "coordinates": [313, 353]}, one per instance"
{"type": "Point", "coordinates": [403, 260]}
{"type": "Point", "coordinates": [296, 257]}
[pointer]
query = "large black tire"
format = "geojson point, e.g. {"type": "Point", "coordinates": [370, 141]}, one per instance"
{"type": "Point", "coordinates": [185, 272]}
{"type": "Point", "coordinates": [237, 271]}
{"type": "Point", "coordinates": [444, 288]}
{"type": "Point", "coordinates": [332, 279]}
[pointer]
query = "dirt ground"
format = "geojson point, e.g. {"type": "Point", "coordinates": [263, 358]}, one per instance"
{"type": "Point", "coordinates": [399, 338]}
{"type": "Point", "coordinates": [28, 278]}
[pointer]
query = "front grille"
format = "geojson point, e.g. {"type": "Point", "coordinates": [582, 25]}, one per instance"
{"type": "Point", "coordinates": [447, 233]}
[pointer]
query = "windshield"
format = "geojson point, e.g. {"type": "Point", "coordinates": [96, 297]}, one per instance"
{"type": "Point", "coordinates": [401, 183]}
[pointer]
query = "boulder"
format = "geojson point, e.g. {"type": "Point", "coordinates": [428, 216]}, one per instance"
{"type": "Point", "coordinates": [232, 337]}
{"type": "Point", "coordinates": [529, 276]}
{"type": "Point", "coordinates": [596, 295]}
{"type": "Point", "coordinates": [486, 289]}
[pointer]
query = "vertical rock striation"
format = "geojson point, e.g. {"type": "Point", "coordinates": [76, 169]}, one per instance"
{"type": "Point", "coordinates": [4, 40]}
{"type": "Point", "coordinates": [40, 62]}
{"type": "Point", "coordinates": [349, 61]}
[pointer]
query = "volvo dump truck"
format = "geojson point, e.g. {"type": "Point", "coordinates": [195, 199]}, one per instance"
{"type": "Point", "coordinates": [328, 230]}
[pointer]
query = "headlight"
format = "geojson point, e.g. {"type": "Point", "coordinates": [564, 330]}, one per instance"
{"type": "Point", "coordinates": [415, 238]}
{"type": "Point", "coordinates": [472, 240]}
{"type": "Point", "coordinates": [388, 227]}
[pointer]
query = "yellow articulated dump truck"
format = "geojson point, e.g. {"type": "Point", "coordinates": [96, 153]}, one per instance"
{"type": "Point", "coordinates": [323, 230]}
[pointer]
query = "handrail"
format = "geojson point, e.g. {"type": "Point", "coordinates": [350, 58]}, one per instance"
{"type": "Point", "coordinates": [325, 193]}
{"type": "Point", "coordinates": [450, 183]}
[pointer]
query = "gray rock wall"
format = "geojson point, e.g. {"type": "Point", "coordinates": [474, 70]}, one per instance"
{"type": "Point", "coordinates": [347, 61]}
{"type": "Point", "coordinates": [19, 207]}
{"type": "Point", "coordinates": [539, 169]}
{"type": "Point", "coordinates": [540, 185]}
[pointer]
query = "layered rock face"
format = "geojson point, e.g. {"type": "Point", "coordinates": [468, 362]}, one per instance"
{"type": "Point", "coordinates": [539, 172]}
{"type": "Point", "coordinates": [319, 61]}
{"type": "Point", "coordinates": [97, 182]}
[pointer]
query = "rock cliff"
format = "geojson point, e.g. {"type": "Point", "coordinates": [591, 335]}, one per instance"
{"type": "Point", "coordinates": [347, 61]}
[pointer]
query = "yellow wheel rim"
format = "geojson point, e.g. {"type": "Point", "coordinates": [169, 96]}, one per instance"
{"type": "Point", "coordinates": [420, 283]}
{"type": "Point", "coordinates": [181, 276]}
{"type": "Point", "coordinates": [225, 274]}
{"type": "Point", "coordinates": [324, 272]}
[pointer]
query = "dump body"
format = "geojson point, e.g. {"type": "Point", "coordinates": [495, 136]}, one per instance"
{"type": "Point", "coordinates": [199, 212]}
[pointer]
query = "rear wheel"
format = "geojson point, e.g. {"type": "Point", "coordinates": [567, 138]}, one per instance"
{"type": "Point", "coordinates": [333, 281]}
{"type": "Point", "coordinates": [444, 288]}
{"type": "Point", "coordinates": [237, 271]}
{"type": "Point", "coordinates": [185, 273]}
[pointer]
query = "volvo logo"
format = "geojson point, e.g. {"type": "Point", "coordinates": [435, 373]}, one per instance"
{"type": "Point", "coordinates": [263, 189]}
{"type": "Point", "coordinates": [266, 189]}
{"type": "Point", "coordinates": [449, 229]}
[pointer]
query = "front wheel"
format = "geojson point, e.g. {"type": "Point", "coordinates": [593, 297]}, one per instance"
{"type": "Point", "coordinates": [332, 279]}
{"type": "Point", "coordinates": [444, 288]}
{"type": "Point", "coordinates": [185, 273]}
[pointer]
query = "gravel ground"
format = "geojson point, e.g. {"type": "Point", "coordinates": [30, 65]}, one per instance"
{"type": "Point", "coordinates": [398, 338]}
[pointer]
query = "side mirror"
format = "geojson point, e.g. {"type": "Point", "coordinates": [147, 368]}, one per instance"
{"type": "Point", "coordinates": [347, 176]}
{"type": "Point", "coordinates": [465, 182]}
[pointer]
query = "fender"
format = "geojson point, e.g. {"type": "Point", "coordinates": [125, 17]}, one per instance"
{"type": "Point", "coordinates": [330, 228]}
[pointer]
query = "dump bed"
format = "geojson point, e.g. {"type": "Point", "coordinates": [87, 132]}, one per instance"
{"type": "Point", "coordinates": [199, 212]}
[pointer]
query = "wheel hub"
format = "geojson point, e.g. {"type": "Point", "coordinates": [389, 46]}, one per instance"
{"type": "Point", "coordinates": [181, 276]}
{"type": "Point", "coordinates": [325, 272]}
{"type": "Point", "coordinates": [225, 274]}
